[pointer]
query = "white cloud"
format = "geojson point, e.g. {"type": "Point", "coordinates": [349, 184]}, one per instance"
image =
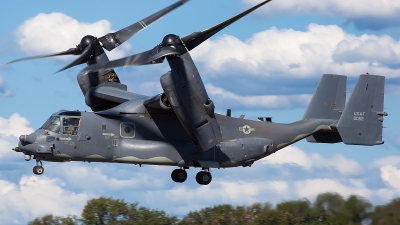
{"type": "Point", "coordinates": [368, 48]}
{"type": "Point", "coordinates": [229, 99]}
{"type": "Point", "coordinates": [391, 175]}
{"type": "Point", "coordinates": [35, 196]}
{"type": "Point", "coordinates": [311, 53]}
{"type": "Point", "coordinates": [10, 130]}
{"type": "Point", "coordinates": [388, 160]}
{"type": "Point", "coordinates": [289, 155]}
{"type": "Point", "coordinates": [310, 188]}
{"type": "Point", "coordinates": [348, 9]}
{"type": "Point", "coordinates": [220, 192]}
{"type": "Point", "coordinates": [14, 126]}
{"type": "Point", "coordinates": [295, 156]}
{"type": "Point", "coordinates": [55, 32]}
{"type": "Point", "coordinates": [89, 178]}
{"type": "Point", "coordinates": [4, 90]}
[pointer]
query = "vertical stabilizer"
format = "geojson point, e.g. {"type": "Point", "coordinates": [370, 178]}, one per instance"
{"type": "Point", "coordinates": [361, 121]}
{"type": "Point", "coordinates": [327, 103]}
{"type": "Point", "coordinates": [329, 98]}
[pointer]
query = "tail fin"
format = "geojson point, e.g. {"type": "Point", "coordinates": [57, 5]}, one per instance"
{"type": "Point", "coordinates": [329, 98]}
{"type": "Point", "coordinates": [327, 103]}
{"type": "Point", "coordinates": [361, 120]}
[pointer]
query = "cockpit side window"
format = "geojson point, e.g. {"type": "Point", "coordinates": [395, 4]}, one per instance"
{"type": "Point", "coordinates": [52, 124]}
{"type": "Point", "coordinates": [70, 125]}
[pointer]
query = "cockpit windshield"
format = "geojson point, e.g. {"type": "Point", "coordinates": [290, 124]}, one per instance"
{"type": "Point", "coordinates": [52, 124]}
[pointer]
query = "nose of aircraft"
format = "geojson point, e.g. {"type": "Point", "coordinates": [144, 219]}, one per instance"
{"type": "Point", "coordinates": [34, 143]}
{"type": "Point", "coordinates": [29, 139]}
{"type": "Point", "coordinates": [27, 143]}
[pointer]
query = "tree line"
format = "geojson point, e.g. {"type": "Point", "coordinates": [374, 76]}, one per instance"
{"type": "Point", "coordinates": [328, 208]}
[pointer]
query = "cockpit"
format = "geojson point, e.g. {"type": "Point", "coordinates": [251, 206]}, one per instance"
{"type": "Point", "coordinates": [66, 123]}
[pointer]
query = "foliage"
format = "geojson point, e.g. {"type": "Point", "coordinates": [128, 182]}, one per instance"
{"type": "Point", "coordinates": [355, 210]}
{"type": "Point", "coordinates": [328, 208]}
{"type": "Point", "coordinates": [329, 203]}
{"type": "Point", "coordinates": [387, 214]}
{"type": "Point", "coordinates": [101, 211]}
{"type": "Point", "coordinates": [54, 220]}
{"type": "Point", "coordinates": [224, 215]}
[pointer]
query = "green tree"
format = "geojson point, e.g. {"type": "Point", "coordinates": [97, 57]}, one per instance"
{"type": "Point", "coordinates": [273, 217]}
{"type": "Point", "coordinates": [54, 220]}
{"type": "Point", "coordinates": [354, 210]}
{"type": "Point", "coordinates": [144, 216]}
{"type": "Point", "coordinates": [101, 211]}
{"type": "Point", "coordinates": [218, 215]}
{"type": "Point", "coordinates": [108, 211]}
{"type": "Point", "coordinates": [293, 212]}
{"type": "Point", "coordinates": [387, 214]}
{"type": "Point", "coordinates": [224, 215]}
{"type": "Point", "coordinates": [329, 203]}
{"type": "Point", "coordinates": [298, 208]}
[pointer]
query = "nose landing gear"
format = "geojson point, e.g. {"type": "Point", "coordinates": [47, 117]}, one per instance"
{"type": "Point", "coordinates": [38, 169]}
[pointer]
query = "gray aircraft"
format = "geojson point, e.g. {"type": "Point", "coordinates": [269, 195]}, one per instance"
{"type": "Point", "coordinates": [179, 127]}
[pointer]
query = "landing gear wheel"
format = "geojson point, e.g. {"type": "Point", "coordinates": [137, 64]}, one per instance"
{"type": "Point", "coordinates": [179, 175]}
{"type": "Point", "coordinates": [203, 178]}
{"type": "Point", "coordinates": [38, 170]}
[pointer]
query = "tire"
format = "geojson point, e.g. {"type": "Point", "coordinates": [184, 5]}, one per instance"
{"type": "Point", "coordinates": [38, 170]}
{"type": "Point", "coordinates": [179, 175]}
{"type": "Point", "coordinates": [34, 170]}
{"type": "Point", "coordinates": [203, 178]}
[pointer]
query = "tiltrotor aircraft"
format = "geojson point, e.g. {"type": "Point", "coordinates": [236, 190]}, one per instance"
{"type": "Point", "coordinates": [179, 127]}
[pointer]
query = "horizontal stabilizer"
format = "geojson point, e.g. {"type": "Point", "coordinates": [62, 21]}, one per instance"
{"type": "Point", "coordinates": [361, 121]}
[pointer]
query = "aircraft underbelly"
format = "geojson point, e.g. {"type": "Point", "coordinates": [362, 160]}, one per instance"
{"type": "Point", "coordinates": [146, 152]}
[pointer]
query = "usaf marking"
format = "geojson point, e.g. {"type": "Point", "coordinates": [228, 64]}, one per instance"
{"type": "Point", "coordinates": [247, 129]}
{"type": "Point", "coordinates": [359, 116]}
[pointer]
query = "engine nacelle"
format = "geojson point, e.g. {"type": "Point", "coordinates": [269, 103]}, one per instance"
{"type": "Point", "coordinates": [158, 102]}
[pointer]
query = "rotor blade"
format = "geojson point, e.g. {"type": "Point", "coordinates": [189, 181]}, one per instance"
{"type": "Point", "coordinates": [193, 40]}
{"type": "Point", "coordinates": [113, 40]}
{"type": "Point", "coordinates": [71, 51]}
{"type": "Point", "coordinates": [84, 57]}
{"type": "Point", "coordinates": [153, 56]}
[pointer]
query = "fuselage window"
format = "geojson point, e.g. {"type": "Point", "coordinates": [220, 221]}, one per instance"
{"type": "Point", "coordinates": [70, 125]}
{"type": "Point", "coordinates": [52, 124]}
{"type": "Point", "coordinates": [127, 130]}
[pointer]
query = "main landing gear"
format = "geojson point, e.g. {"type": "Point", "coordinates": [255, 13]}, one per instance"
{"type": "Point", "coordinates": [179, 175]}
{"type": "Point", "coordinates": [202, 177]}
{"type": "Point", "coordinates": [38, 170]}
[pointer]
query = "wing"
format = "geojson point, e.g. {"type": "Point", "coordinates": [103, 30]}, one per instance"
{"type": "Point", "coordinates": [109, 95]}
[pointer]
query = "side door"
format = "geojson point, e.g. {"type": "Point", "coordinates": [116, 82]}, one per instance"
{"type": "Point", "coordinates": [109, 139]}
{"type": "Point", "coordinates": [66, 144]}
{"type": "Point", "coordinates": [86, 139]}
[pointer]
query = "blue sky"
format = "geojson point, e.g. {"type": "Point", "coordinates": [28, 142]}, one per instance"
{"type": "Point", "coordinates": [267, 64]}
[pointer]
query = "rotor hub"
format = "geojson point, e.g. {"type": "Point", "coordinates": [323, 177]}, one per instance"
{"type": "Point", "coordinates": [170, 39]}
{"type": "Point", "coordinates": [87, 40]}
